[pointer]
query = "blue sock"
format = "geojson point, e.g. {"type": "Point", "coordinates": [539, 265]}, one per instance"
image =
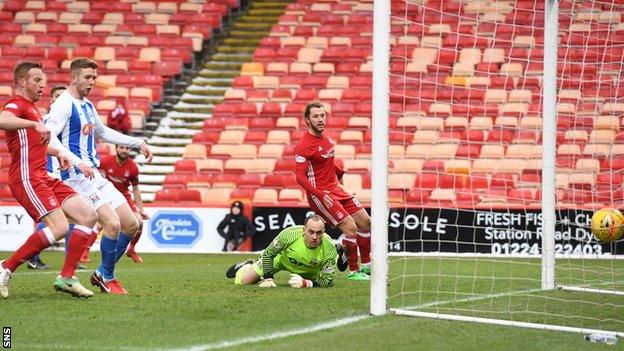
{"type": "Point", "coordinates": [68, 235]}
{"type": "Point", "coordinates": [123, 240]}
{"type": "Point", "coordinates": [109, 254]}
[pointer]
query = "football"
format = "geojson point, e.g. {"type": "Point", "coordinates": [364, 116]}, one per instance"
{"type": "Point", "coordinates": [607, 225]}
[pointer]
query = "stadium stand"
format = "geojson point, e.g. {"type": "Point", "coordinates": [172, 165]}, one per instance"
{"type": "Point", "coordinates": [485, 150]}
{"type": "Point", "coordinates": [472, 121]}
{"type": "Point", "coordinates": [144, 50]}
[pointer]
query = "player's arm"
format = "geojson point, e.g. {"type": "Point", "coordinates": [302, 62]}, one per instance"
{"type": "Point", "coordinates": [136, 191]}
{"type": "Point", "coordinates": [112, 136]}
{"type": "Point", "coordinates": [9, 121]}
{"type": "Point", "coordinates": [339, 171]}
{"type": "Point", "coordinates": [301, 171]}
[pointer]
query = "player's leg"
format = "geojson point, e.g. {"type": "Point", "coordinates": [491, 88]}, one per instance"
{"type": "Point", "coordinates": [84, 217]}
{"type": "Point", "coordinates": [131, 251]}
{"type": "Point", "coordinates": [39, 202]}
{"type": "Point", "coordinates": [104, 276]}
{"type": "Point", "coordinates": [349, 242]}
{"type": "Point", "coordinates": [110, 223]}
{"type": "Point", "coordinates": [231, 272]}
{"type": "Point", "coordinates": [337, 216]}
{"type": "Point", "coordinates": [85, 254]}
{"type": "Point", "coordinates": [129, 227]}
{"type": "Point", "coordinates": [363, 223]}
{"type": "Point", "coordinates": [249, 274]}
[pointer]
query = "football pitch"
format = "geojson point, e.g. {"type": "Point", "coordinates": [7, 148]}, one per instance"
{"type": "Point", "coordinates": [184, 302]}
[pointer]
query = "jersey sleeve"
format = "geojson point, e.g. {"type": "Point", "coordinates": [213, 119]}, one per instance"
{"type": "Point", "coordinates": [302, 162]}
{"type": "Point", "coordinates": [283, 240]}
{"type": "Point", "coordinates": [327, 272]}
{"type": "Point", "coordinates": [14, 108]}
{"type": "Point", "coordinates": [58, 116]}
{"type": "Point", "coordinates": [112, 136]}
{"type": "Point", "coordinates": [339, 169]}
{"type": "Point", "coordinates": [134, 174]}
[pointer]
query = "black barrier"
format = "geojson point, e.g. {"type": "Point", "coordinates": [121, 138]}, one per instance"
{"type": "Point", "coordinates": [457, 230]}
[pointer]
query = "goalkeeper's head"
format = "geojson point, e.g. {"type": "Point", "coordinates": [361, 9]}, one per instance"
{"type": "Point", "coordinates": [313, 230]}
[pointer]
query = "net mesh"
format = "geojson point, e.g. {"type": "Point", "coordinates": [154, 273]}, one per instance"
{"type": "Point", "coordinates": [466, 150]}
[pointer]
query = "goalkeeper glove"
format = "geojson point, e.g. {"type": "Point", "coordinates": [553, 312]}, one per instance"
{"type": "Point", "coordinates": [296, 281]}
{"type": "Point", "coordinates": [267, 283]}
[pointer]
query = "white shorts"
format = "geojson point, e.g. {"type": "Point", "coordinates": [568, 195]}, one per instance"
{"type": "Point", "coordinates": [97, 191]}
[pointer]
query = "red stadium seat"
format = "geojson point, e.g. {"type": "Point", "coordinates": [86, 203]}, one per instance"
{"type": "Point", "coordinates": [175, 181]}
{"type": "Point", "coordinates": [167, 195]}
{"type": "Point", "coordinates": [185, 166]}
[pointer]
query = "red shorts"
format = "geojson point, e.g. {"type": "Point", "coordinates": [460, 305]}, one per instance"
{"type": "Point", "coordinates": [131, 203]}
{"type": "Point", "coordinates": [40, 196]}
{"type": "Point", "coordinates": [344, 205]}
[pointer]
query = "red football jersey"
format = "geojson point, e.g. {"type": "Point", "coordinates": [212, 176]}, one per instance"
{"type": "Point", "coordinates": [314, 165]}
{"type": "Point", "coordinates": [28, 154]}
{"type": "Point", "coordinates": [121, 176]}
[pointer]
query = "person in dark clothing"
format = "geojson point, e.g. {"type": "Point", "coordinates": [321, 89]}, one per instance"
{"type": "Point", "coordinates": [238, 227]}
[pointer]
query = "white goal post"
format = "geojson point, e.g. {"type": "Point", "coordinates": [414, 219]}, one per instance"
{"type": "Point", "coordinates": [547, 283]}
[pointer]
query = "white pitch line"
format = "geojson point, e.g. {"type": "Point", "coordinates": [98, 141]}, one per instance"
{"type": "Point", "coordinates": [277, 335]}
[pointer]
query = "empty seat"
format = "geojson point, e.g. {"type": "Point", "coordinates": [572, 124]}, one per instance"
{"type": "Point", "coordinates": [265, 196]}
{"type": "Point", "coordinates": [195, 151]}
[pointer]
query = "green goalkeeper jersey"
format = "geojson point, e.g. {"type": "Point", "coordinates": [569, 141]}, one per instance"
{"type": "Point", "coordinates": [289, 252]}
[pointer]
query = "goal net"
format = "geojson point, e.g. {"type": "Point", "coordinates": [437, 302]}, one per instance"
{"type": "Point", "coordinates": [480, 229]}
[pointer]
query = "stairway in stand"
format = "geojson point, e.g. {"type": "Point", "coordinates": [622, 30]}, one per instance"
{"type": "Point", "coordinates": [232, 48]}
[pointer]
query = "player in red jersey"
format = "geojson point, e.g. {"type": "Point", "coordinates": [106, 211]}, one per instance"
{"type": "Point", "coordinates": [44, 198]}
{"type": "Point", "coordinates": [319, 175]}
{"type": "Point", "coordinates": [122, 171]}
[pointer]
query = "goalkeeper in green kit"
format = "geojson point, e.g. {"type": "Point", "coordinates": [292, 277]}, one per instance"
{"type": "Point", "coordinates": [305, 251]}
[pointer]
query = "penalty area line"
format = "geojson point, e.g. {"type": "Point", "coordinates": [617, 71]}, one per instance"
{"type": "Point", "coordinates": [274, 336]}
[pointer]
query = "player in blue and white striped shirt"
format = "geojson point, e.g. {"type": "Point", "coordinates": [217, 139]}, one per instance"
{"type": "Point", "coordinates": [75, 121]}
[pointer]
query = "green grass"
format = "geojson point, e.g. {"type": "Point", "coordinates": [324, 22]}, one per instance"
{"type": "Point", "coordinates": [178, 301]}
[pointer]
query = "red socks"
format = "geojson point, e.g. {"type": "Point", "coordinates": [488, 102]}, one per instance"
{"type": "Point", "coordinates": [134, 240]}
{"type": "Point", "coordinates": [364, 243]}
{"type": "Point", "coordinates": [35, 243]}
{"type": "Point", "coordinates": [75, 247]}
{"type": "Point", "coordinates": [352, 253]}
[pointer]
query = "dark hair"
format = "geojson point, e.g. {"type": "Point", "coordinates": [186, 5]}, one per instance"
{"type": "Point", "coordinates": [81, 63]}
{"type": "Point", "coordinates": [22, 69]}
{"type": "Point", "coordinates": [311, 105]}
{"type": "Point", "coordinates": [57, 88]}
{"type": "Point", "coordinates": [315, 217]}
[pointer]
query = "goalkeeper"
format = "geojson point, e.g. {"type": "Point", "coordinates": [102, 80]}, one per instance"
{"type": "Point", "coordinates": [303, 250]}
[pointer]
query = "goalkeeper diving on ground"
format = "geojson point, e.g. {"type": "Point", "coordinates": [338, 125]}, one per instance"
{"type": "Point", "coordinates": [303, 250]}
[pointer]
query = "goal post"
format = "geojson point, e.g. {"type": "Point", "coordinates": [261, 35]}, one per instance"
{"type": "Point", "coordinates": [549, 135]}
{"type": "Point", "coordinates": [493, 140]}
{"type": "Point", "coordinates": [379, 158]}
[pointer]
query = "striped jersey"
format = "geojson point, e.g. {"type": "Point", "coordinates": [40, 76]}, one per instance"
{"type": "Point", "coordinates": [77, 124]}
{"type": "Point", "coordinates": [28, 154]}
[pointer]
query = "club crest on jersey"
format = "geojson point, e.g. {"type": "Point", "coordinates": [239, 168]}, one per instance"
{"type": "Point", "coordinates": [300, 159]}
{"type": "Point", "coordinates": [87, 129]}
{"type": "Point", "coordinates": [329, 153]}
